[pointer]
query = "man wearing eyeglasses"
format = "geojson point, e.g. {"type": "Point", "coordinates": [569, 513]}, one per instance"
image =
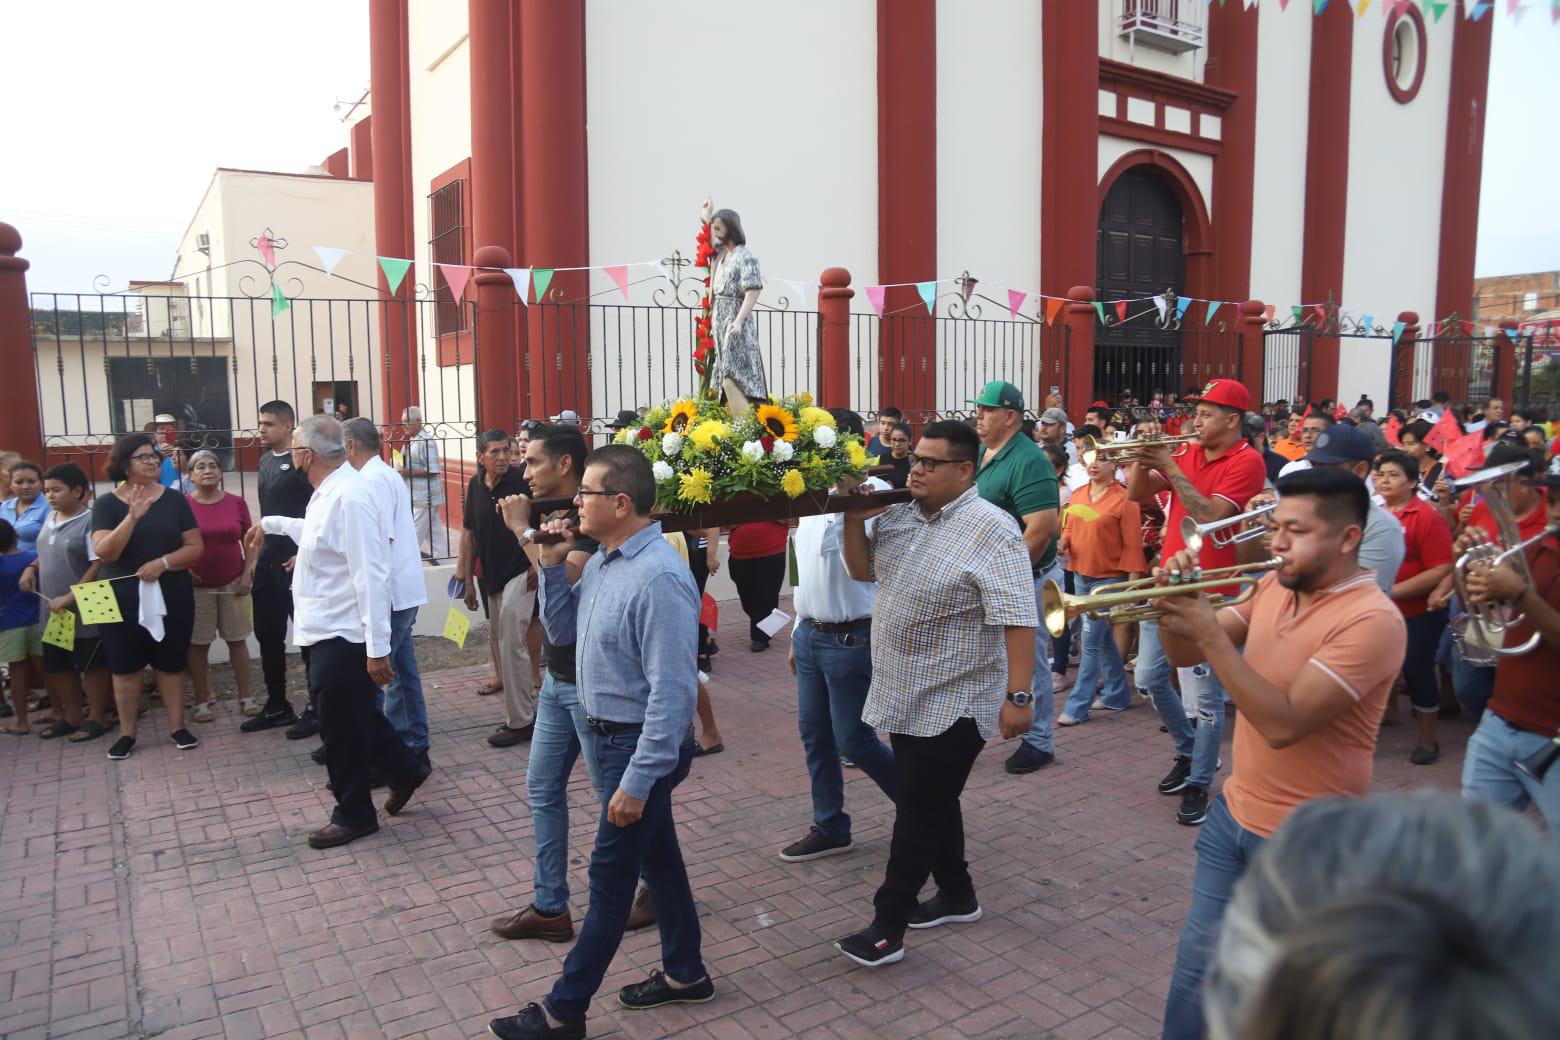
{"type": "Point", "coordinates": [951, 569]}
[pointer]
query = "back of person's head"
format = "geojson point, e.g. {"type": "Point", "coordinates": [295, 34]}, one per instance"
{"type": "Point", "coordinates": [321, 434]}
{"type": "Point", "coordinates": [847, 421]}
{"type": "Point", "coordinates": [1057, 454]}
{"type": "Point", "coordinates": [963, 445]}
{"type": "Point", "coordinates": [7, 536]}
{"type": "Point", "coordinates": [281, 411]}
{"type": "Point", "coordinates": [1341, 498]}
{"type": "Point", "coordinates": [69, 474]}
{"type": "Point", "coordinates": [362, 432]}
{"type": "Point", "coordinates": [1441, 397]}
{"type": "Point", "coordinates": [624, 470]}
{"type": "Point", "coordinates": [1088, 430]}
{"type": "Point", "coordinates": [558, 441]}
{"type": "Point", "coordinates": [118, 467]}
{"type": "Point", "coordinates": [1395, 917]}
{"type": "Point", "coordinates": [1027, 428]}
{"type": "Point", "coordinates": [1508, 451]}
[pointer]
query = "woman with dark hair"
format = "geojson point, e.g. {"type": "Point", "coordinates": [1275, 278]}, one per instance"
{"type": "Point", "coordinates": [21, 640]}
{"type": "Point", "coordinates": [1428, 460]}
{"type": "Point", "coordinates": [27, 509]}
{"type": "Point", "coordinates": [223, 578]}
{"type": "Point", "coordinates": [147, 537]}
{"type": "Point", "coordinates": [734, 288]}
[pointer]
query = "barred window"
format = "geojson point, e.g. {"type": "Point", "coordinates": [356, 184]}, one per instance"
{"type": "Point", "coordinates": [447, 225]}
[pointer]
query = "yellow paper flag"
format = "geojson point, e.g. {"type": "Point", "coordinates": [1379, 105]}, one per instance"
{"type": "Point", "coordinates": [97, 603]}
{"type": "Point", "coordinates": [1083, 512]}
{"type": "Point", "coordinates": [455, 627]}
{"type": "Point", "coordinates": [396, 458]}
{"type": "Point", "coordinates": [61, 630]}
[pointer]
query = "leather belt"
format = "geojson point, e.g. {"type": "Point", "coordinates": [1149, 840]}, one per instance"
{"type": "Point", "coordinates": [840, 626]}
{"type": "Point", "coordinates": [606, 729]}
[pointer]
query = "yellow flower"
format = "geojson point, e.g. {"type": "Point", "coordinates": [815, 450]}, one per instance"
{"type": "Point", "coordinates": [792, 483]}
{"type": "Point", "coordinates": [804, 398]}
{"type": "Point", "coordinates": [682, 413]}
{"type": "Point", "coordinates": [817, 417]}
{"type": "Point", "coordinates": [694, 486]}
{"type": "Point", "coordinates": [707, 433]}
{"type": "Point", "coordinates": [856, 453]}
{"type": "Point", "coordinates": [776, 422]}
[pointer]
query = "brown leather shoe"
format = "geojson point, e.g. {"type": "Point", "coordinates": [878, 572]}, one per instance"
{"type": "Point", "coordinates": [402, 790]}
{"type": "Point", "coordinates": [332, 835]}
{"type": "Point", "coordinates": [529, 924]}
{"type": "Point", "coordinates": [643, 914]}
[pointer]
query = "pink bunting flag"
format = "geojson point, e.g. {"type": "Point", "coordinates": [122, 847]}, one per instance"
{"type": "Point", "coordinates": [1015, 300]}
{"type": "Point", "coordinates": [1269, 311]}
{"type": "Point", "coordinates": [457, 276]}
{"type": "Point", "coordinates": [267, 250]}
{"type": "Point", "coordinates": [875, 294]}
{"type": "Point", "coordinates": [619, 275]}
{"type": "Point", "coordinates": [1052, 308]}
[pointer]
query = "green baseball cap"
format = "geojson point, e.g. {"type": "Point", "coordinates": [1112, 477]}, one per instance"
{"type": "Point", "coordinates": [1000, 395]}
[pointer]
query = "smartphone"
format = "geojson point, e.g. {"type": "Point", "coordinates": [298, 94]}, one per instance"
{"type": "Point", "coordinates": [1056, 389]}
{"type": "Point", "coordinates": [1121, 435]}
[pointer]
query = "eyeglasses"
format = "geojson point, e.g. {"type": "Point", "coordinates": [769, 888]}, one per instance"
{"type": "Point", "coordinates": [142, 456]}
{"type": "Point", "coordinates": [929, 463]}
{"type": "Point", "coordinates": [586, 492]}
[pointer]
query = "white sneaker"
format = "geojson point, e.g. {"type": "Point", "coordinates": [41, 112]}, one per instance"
{"type": "Point", "coordinates": [1065, 719]}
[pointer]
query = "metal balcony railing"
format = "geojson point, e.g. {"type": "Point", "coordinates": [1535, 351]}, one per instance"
{"type": "Point", "coordinates": [1169, 25]}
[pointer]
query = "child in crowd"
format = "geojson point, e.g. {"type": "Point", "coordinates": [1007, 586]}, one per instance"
{"type": "Point", "coordinates": [20, 637]}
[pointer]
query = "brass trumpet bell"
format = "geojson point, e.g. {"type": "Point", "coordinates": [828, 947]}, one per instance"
{"type": "Point", "coordinates": [1127, 601]}
{"type": "Point", "coordinates": [1123, 452]}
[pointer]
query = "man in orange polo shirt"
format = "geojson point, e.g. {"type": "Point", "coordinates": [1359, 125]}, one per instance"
{"type": "Point", "coordinates": [1322, 644]}
{"type": "Point", "coordinates": [1291, 447]}
{"type": "Point", "coordinates": [1524, 712]}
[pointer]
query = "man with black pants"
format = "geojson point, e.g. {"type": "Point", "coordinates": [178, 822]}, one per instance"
{"type": "Point", "coordinates": [284, 492]}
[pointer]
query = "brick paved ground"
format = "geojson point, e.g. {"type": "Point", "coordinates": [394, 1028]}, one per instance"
{"type": "Point", "coordinates": [173, 895]}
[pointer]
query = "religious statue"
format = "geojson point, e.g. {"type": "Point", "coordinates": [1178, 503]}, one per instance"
{"type": "Point", "coordinates": [735, 285]}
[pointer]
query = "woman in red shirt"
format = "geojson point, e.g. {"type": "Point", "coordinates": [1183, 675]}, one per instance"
{"type": "Point", "coordinates": [757, 563]}
{"type": "Point", "coordinates": [1427, 558]}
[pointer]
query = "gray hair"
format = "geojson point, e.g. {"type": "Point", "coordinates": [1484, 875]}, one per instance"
{"type": "Point", "coordinates": [1396, 917]}
{"type": "Point", "coordinates": [321, 434]}
{"type": "Point", "coordinates": [202, 455]}
{"type": "Point", "coordinates": [412, 413]}
{"type": "Point", "coordinates": [362, 431]}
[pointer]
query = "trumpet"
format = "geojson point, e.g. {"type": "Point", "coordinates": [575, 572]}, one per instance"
{"type": "Point", "coordinates": [1488, 621]}
{"type": "Point", "coordinates": [1124, 452]}
{"type": "Point", "coordinates": [1128, 601]}
{"type": "Point", "coordinates": [1217, 532]}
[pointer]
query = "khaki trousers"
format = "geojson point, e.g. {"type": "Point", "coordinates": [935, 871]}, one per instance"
{"type": "Point", "coordinates": [509, 615]}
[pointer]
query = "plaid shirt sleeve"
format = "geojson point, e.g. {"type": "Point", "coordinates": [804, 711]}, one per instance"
{"type": "Point", "coordinates": [1007, 587]}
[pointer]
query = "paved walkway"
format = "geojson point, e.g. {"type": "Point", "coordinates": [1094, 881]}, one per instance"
{"type": "Point", "coordinates": [173, 895]}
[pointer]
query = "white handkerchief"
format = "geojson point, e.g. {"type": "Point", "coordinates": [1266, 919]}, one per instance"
{"type": "Point", "coordinates": [772, 624]}
{"type": "Point", "coordinates": [153, 609]}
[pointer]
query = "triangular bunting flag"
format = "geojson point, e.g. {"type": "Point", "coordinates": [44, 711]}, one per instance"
{"type": "Point", "coordinates": [1397, 331]}
{"type": "Point", "coordinates": [279, 303]}
{"type": "Point", "coordinates": [541, 278]}
{"type": "Point", "coordinates": [1283, 5]}
{"type": "Point", "coordinates": [661, 270]}
{"type": "Point", "coordinates": [1515, 9]}
{"type": "Point", "coordinates": [329, 257]}
{"type": "Point", "coordinates": [1269, 311]}
{"type": "Point", "coordinates": [267, 250]}
{"type": "Point", "coordinates": [1099, 308]}
{"type": "Point", "coordinates": [521, 276]}
{"type": "Point", "coordinates": [456, 275]}
{"type": "Point", "coordinates": [1514, 333]}
{"type": "Point", "coordinates": [800, 288]}
{"type": "Point", "coordinates": [1321, 5]}
{"type": "Point", "coordinates": [619, 275]}
{"type": "Point", "coordinates": [1297, 309]}
{"type": "Point", "coordinates": [1181, 304]}
{"type": "Point", "coordinates": [1437, 10]}
{"type": "Point", "coordinates": [1361, 12]}
{"type": "Point", "coordinates": [1121, 311]}
{"type": "Point", "coordinates": [1052, 306]}
{"type": "Point", "coordinates": [1213, 306]}
{"type": "Point", "coordinates": [1477, 11]}
{"type": "Point", "coordinates": [875, 294]}
{"type": "Point", "coordinates": [1015, 300]}
{"type": "Point", "coordinates": [928, 291]}
{"type": "Point", "coordinates": [1162, 306]}
{"type": "Point", "coordinates": [394, 270]}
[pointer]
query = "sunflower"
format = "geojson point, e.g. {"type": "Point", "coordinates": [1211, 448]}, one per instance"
{"type": "Point", "coordinates": [792, 483]}
{"type": "Point", "coordinates": [695, 486]}
{"type": "Point", "coordinates": [706, 433]}
{"type": "Point", "coordinates": [777, 422]}
{"type": "Point", "coordinates": [682, 413]}
{"type": "Point", "coordinates": [856, 453]}
{"type": "Point", "coordinates": [816, 417]}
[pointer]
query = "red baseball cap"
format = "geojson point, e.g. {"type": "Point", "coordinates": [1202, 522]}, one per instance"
{"type": "Point", "coordinates": [1227, 392]}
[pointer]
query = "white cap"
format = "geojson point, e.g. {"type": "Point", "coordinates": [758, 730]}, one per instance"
{"type": "Point", "coordinates": [568, 415]}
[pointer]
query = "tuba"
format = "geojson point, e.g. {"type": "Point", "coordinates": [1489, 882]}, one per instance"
{"type": "Point", "coordinates": [1480, 630]}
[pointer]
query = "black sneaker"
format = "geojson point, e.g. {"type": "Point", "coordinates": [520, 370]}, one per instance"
{"type": "Point", "coordinates": [656, 991]}
{"type": "Point", "coordinates": [530, 1023]}
{"type": "Point", "coordinates": [184, 740]}
{"type": "Point", "coordinates": [815, 845]}
{"type": "Point", "coordinates": [936, 911]}
{"type": "Point", "coordinates": [870, 948]}
{"type": "Point", "coordinates": [121, 748]}
{"type": "Point", "coordinates": [1194, 805]}
{"type": "Point", "coordinates": [268, 719]}
{"type": "Point", "coordinates": [1176, 778]}
{"type": "Point", "coordinates": [1027, 759]}
{"type": "Point", "coordinates": [306, 726]}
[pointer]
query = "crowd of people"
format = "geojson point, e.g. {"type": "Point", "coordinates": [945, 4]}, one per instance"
{"type": "Point", "coordinates": [930, 622]}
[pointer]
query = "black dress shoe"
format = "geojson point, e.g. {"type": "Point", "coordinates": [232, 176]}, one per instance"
{"type": "Point", "coordinates": [531, 1024]}
{"type": "Point", "coordinates": [268, 719]}
{"type": "Point", "coordinates": [401, 791]}
{"type": "Point", "coordinates": [656, 991]}
{"type": "Point", "coordinates": [306, 726]}
{"type": "Point", "coordinates": [503, 736]}
{"type": "Point", "coordinates": [332, 835]}
{"type": "Point", "coordinates": [318, 754]}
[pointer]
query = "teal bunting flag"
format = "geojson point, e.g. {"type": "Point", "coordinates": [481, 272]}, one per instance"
{"type": "Point", "coordinates": [541, 278]}
{"type": "Point", "coordinates": [279, 303]}
{"type": "Point", "coordinates": [1213, 306]}
{"type": "Point", "coordinates": [928, 291]}
{"type": "Point", "coordinates": [1397, 331]}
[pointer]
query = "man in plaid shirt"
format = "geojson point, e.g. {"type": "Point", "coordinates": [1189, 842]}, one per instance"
{"type": "Point", "coordinates": [953, 643]}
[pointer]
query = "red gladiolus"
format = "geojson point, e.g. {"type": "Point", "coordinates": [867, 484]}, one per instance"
{"type": "Point", "coordinates": [768, 442]}
{"type": "Point", "coordinates": [645, 433]}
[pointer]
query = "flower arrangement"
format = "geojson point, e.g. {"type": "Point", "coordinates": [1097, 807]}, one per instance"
{"type": "Point", "coordinates": [701, 453]}
{"type": "Point", "coordinates": [703, 334]}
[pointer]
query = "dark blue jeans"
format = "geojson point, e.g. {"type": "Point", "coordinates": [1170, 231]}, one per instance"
{"type": "Point", "coordinates": [833, 672]}
{"type": "Point", "coordinates": [1224, 850]}
{"type": "Point", "coordinates": [621, 853]}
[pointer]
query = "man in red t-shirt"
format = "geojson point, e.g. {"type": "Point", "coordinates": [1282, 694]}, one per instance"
{"type": "Point", "coordinates": [1524, 713]}
{"type": "Point", "coordinates": [1208, 480]}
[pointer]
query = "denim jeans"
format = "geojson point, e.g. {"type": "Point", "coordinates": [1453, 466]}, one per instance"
{"type": "Point", "coordinates": [1199, 743]}
{"type": "Point", "coordinates": [1039, 735]}
{"type": "Point", "coordinates": [556, 742]}
{"type": "Point", "coordinates": [1471, 683]}
{"type": "Point", "coordinates": [833, 672]}
{"type": "Point", "coordinates": [650, 844]}
{"type": "Point", "coordinates": [402, 701]}
{"type": "Point", "coordinates": [1100, 660]}
{"type": "Point", "coordinates": [1224, 849]}
{"type": "Point", "coordinates": [1489, 773]}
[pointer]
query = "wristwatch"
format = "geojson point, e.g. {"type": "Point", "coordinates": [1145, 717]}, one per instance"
{"type": "Point", "coordinates": [1021, 698]}
{"type": "Point", "coordinates": [527, 535]}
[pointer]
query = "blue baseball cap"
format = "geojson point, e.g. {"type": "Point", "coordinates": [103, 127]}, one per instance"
{"type": "Point", "coordinates": [1341, 443]}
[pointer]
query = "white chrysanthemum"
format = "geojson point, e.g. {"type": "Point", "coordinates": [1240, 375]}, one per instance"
{"type": "Point", "coordinates": [662, 471]}
{"type": "Point", "coordinates": [823, 436]}
{"type": "Point", "coordinates": [671, 443]}
{"type": "Point", "coordinates": [753, 451]}
{"type": "Point", "coordinates": [782, 451]}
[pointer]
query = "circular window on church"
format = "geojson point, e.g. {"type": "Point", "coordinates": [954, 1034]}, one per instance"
{"type": "Point", "coordinates": [1403, 53]}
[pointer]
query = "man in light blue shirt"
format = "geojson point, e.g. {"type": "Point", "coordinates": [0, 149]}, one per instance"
{"type": "Point", "coordinates": [633, 616]}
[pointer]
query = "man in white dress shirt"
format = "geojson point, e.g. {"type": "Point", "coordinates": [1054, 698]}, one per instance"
{"type": "Point", "coordinates": [403, 698]}
{"type": "Point", "coordinates": [341, 594]}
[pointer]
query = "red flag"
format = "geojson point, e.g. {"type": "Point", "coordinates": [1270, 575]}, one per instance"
{"type": "Point", "coordinates": [1121, 310]}
{"type": "Point", "coordinates": [1465, 454]}
{"type": "Point", "coordinates": [1391, 430]}
{"type": "Point", "coordinates": [709, 613]}
{"type": "Point", "coordinates": [1446, 430]}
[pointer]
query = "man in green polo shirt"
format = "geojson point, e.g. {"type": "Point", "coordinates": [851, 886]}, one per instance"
{"type": "Point", "coordinates": [1015, 475]}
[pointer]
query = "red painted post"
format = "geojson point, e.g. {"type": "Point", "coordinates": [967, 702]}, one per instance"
{"type": "Point", "coordinates": [1505, 381]}
{"type": "Point", "coordinates": [21, 428]}
{"type": "Point", "coordinates": [834, 298]}
{"type": "Point", "coordinates": [392, 156]}
{"type": "Point", "coordinates": [502, 400]}
{"type": "Point", "coordinates": [1405, 352]}
{"type": "Point", "coordinates": [1080, 316]}
{"type": "Point", "coordinates": [1249, 323]}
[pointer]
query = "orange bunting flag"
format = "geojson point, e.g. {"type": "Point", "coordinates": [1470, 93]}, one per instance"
{"type": "Point", "coordinates": [1052, 308]}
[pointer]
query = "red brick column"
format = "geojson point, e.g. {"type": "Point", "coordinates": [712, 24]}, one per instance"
{"type": "Point", "coordinates": [1503, 385]}
{"type": "Point", "coordinates": [1249, 322]}
{"type": "Point", "coordinates": [1080, 316]}
{"type": "Point", "coordinates": [502, 400]}
{"type": "Point", "coordinates": [834, 298]}
{"type": "Point", "coordinates": [21, 428]}
{"type": "Point", "coordinates": [392, 158]}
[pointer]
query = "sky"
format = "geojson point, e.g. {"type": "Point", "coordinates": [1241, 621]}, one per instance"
{"type": "Point", "coordinates": [122, 130]}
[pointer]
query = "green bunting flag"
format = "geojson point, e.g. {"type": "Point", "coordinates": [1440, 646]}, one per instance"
{"type": "Point", "coordinates": [541, 278]}
{"type": "Point", "coordinates": [1099, 308]}
{"type": "Point", "coordinates": [394, 270]}
{"type": "Point", "coordinates": [1436, 9]}
{"type": "Point", "coordinates": [279, 303]}
{"type": "Point", "coordinates": [1296, 310]}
